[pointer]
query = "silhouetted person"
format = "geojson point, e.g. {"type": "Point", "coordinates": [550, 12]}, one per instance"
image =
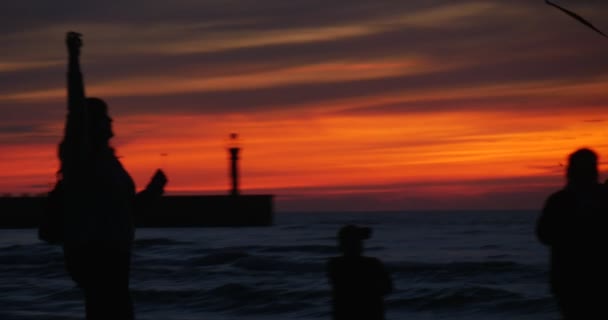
{"type": "Point", "coordinates": [358, 283]}
{"type": "Point", "coordinates": [98, 200]}
{"type": "Point", "coordinates": [573, 225]}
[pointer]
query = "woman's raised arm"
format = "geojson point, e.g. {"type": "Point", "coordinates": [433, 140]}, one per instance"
{"type": "Point", "coordinates": [72, 149]}
{"type": "Point", "coordinates": [76, 95]}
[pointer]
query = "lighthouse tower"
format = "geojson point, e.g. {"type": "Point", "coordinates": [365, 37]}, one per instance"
{"type": "Point", "coordinates": [233, 150]}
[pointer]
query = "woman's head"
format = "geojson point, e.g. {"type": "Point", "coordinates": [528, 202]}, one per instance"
{"type": "Point", "coordinates": [99, 123]}
{"type": "Point", "coordinates": [582, 168]}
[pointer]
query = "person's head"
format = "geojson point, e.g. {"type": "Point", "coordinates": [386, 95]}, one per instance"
{"type": "Point", "coordinates": [99, 122]}
{"type": "Point", "coordinates": [350, 239]}
{"type": "Point", "coordinates": [582, 168]}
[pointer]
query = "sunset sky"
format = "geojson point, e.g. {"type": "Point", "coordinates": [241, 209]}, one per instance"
{"type": "Point", "coordinates": [340, 105]}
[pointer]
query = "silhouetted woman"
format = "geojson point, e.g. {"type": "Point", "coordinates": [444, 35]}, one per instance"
{"type": "Point", "coordinates": [358, 283]}
{"type": "Point", "coordinates": [98, 199]}
{"type": "Point", "coordinates": [573, 225]}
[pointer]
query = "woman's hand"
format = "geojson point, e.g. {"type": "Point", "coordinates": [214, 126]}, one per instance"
{"type": "Point", "coordinates": [156, 186]}
{"type": "Point", "coordinates": [159, 180]}
{"type": "Point", "coordinates": [74, 43]}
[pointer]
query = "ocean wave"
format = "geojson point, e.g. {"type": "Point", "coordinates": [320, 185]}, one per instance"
{"type": "Point", "coordinates": [222, 257]}
{"type": "Point", "coordinates": [530, 305]}
{"type": "Point", "coordinates": [242, 248]}
{"type": "Point", "coordinates": [451, 298]}
{"type": "Point", "coordinates": [441, 271]}
{"type": "Point", "coordinates": [236, 298]}
{"type": "Point", "coordinates": [264, 263]}
{"type": "Point", "coordinates": [167, 296]}
{"type": "Point", "coordinates": [20, 315]}
{"type": "Point", "coordinates": [294, 227]}
{"type": "Point", "coordinates": [30, 255]}
{"type": "Point", "coordinates": [318, 249]}
{"type": "Point", "coordinates": [244, 299]}
{"type": "Point", "coordinates": [151, 242]}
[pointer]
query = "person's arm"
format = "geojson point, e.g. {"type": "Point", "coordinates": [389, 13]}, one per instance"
{"type": "Point", "coordinates": [73, 147]}
{"type": "Point", "coordinates": [156, 186]}
{"type": "Point", "coordinates": [547, 222]}
{"type": "Point", "coordinates": [385, 282]}
{"type": "Point", "coordinates": [146, 199]}
{"type": "Point", "coordinates": [75, 125]}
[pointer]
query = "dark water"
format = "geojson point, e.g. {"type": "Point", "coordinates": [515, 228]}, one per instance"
{"type": "Point", "coordinates": [445, 265]}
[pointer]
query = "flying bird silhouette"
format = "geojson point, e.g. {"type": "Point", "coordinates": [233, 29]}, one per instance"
{"type": "Point", "coordinates": [577, 17]}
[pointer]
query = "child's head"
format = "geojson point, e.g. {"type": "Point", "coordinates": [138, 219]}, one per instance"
{"type": "Point", "coordinates": [350, 239]}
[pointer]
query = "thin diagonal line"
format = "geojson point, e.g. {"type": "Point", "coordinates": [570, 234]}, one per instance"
{"type": "Point", "coordinates": [577, 17]}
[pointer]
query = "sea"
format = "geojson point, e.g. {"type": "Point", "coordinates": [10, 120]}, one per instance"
{"type": "Point", "coordinates": [444, 265]}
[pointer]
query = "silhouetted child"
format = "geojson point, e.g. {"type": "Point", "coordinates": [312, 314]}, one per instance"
{"type": "Point", "coordinates": [573, 225]}
{"type": "Point", "coordinates": [358, 283]}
